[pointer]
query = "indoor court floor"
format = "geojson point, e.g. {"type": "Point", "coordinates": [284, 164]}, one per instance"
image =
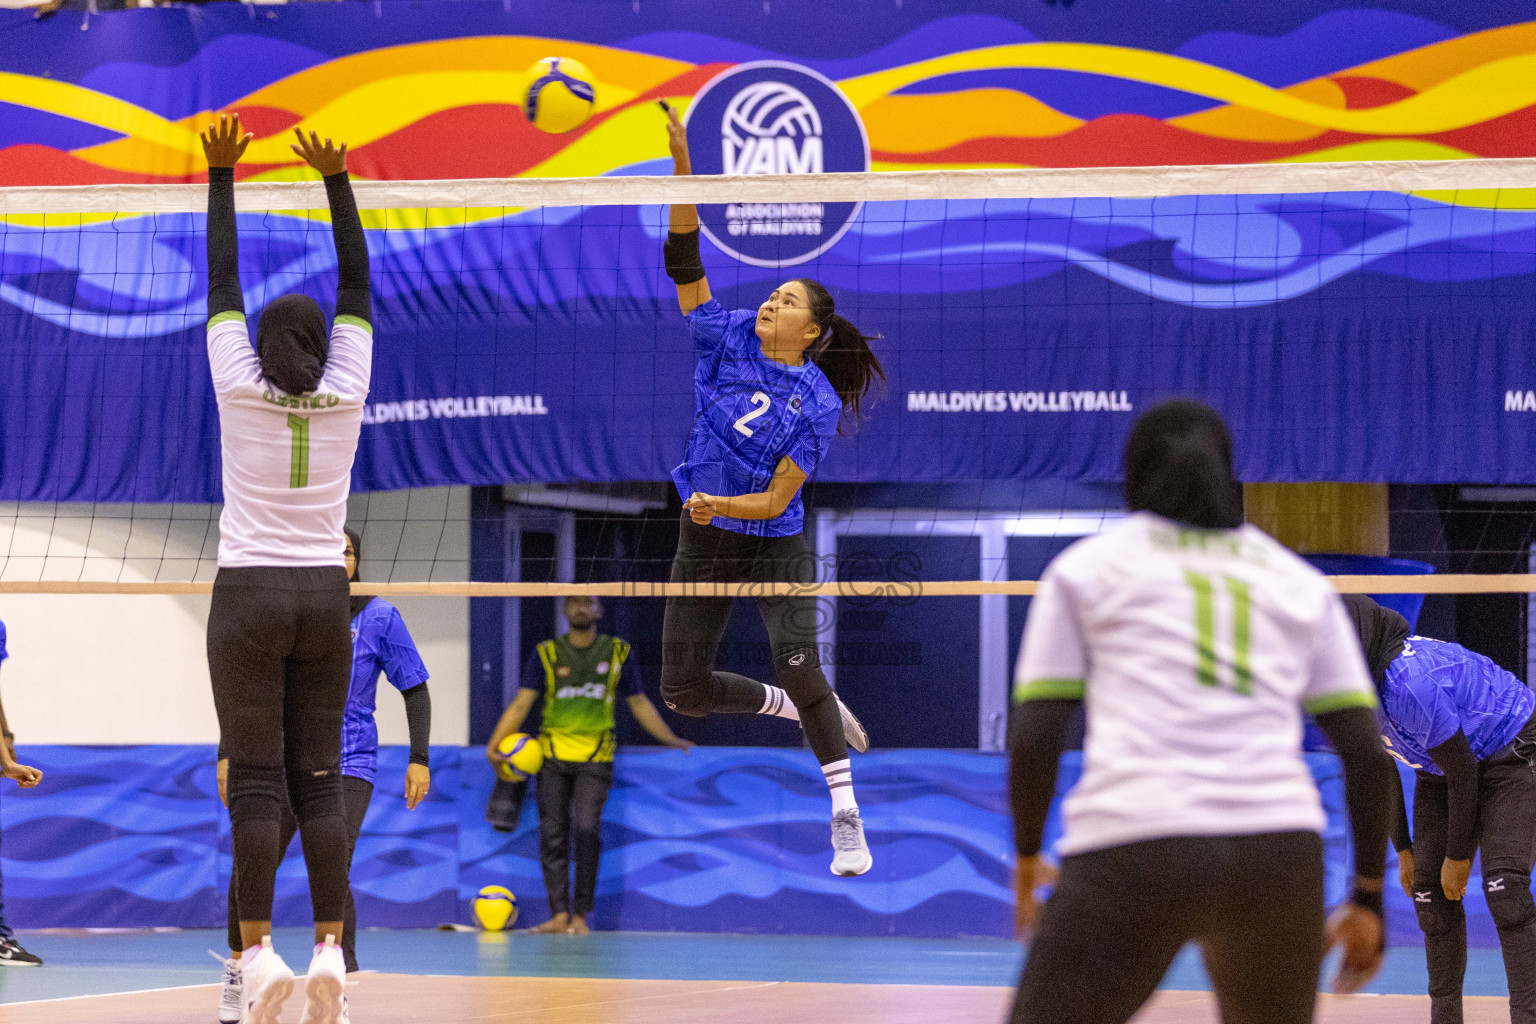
{"type": "Point", "coordinates": [636, 978]}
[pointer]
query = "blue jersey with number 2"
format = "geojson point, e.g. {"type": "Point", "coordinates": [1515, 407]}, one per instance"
{"type": "Point", "coordinates": [749, 413]}
{"type": "Point", "coordinates": [1435, 689]}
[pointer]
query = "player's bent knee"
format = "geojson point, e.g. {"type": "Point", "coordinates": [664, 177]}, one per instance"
{"type": "Point", "coordinates": [1509, 899]}
{"type": "Point", "coordinates": [688, 693]}
{"type": "Point", "coordinates": [1437, 915]}
{"type": "Point", "coordinates": [316, 794]}
{"type": "Point", "coordinates": [799, 672]}
{"type": "Point", "coordinates": [255, 793]}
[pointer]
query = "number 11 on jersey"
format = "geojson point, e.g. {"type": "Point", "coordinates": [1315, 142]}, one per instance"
{"type": "Point", "coordinates": [1205, 630]}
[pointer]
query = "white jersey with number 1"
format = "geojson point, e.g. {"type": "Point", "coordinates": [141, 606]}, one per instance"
{"type": "Point", "coordinates": [287, 458]}
{"type": "Point", "coordinates": [1195, 652]}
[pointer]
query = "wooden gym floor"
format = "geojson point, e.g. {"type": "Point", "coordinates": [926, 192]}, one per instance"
{"type": "Point", "coordinates": [401, 998]}
{"type": "Point", "coordinates": [615, 978]}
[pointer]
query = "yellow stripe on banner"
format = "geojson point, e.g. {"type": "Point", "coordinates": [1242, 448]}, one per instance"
{"type": "Point", "coordinates": [1479, 94]}
{"type": "Point", "coordinates": [81, 104]}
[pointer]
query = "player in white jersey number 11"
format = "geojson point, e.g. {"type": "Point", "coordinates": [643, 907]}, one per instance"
{"type": "Point", "coordinates": [1194, 643]}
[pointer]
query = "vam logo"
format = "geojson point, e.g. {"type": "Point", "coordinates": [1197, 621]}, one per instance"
{"type": "Point", "coordinates": [772, 117]}
{"type": "Point", "coordinates": [771, 128]}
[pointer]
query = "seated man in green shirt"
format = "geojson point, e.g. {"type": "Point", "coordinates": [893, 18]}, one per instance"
{"type": "Point", "coordinates": [579, 675]}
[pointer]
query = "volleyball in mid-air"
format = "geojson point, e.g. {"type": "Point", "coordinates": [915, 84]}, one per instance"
{"type": "Point", "coordinates": [559, 95]}
{"type": "Point", "coordinates": [520, 756]}
{"type": "Point", "coordinates": [496, 908]}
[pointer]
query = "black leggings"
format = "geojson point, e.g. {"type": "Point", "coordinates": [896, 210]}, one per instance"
{"type": "Point", "coordinates": [571, 796]}
{"type": "Point", "coordinates": [1506, 835]}
{"type": "Point", "coordinates": [693, 627]}
{"type": "Point", "coordinates": [1119, 916]}
{"type": "Point", "coordinates": [358, 794]}
{"type": "Point", "coordinates": [280, 656]}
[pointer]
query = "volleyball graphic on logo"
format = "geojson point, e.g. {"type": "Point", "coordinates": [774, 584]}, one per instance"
{"type": "Point", "coordinates": [774, 117]}
{"type": "Point", "coordinates": [559, 95]}
{"type": "Point", "coordinates": [495, 908]}
{"type": "Point", "coordinates": [771, 128]}
{"type": "Point", "coordinates": [519, 756]}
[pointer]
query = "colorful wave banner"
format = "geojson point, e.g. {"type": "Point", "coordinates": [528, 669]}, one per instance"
{"type": "Point", "coordinates": [432, 91]}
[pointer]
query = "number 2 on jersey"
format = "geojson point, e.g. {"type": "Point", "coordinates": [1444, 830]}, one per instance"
{"type": "Point", "coordinates": [762, 402]}
{"type": "Point", "coordinates": [1205, 630]}
{"type": "Point", "coordinates": [298, 464]}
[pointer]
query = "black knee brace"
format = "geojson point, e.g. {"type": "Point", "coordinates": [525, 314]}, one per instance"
{"type": "Point", "coordinates": [316, 794]}
{"type": "Point", "coordinates": [255, 793]}
{"type": "Point", "coordinates": [1509, 899]}
{"type": "Point", "coordinates": [799, 672]}
{"type": "Point", "coordinates": [688, 692]}
{"type": "Point", "coordinates": [1437, 915]}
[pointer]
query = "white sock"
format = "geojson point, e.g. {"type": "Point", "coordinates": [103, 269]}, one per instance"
{"type": "Point", "coordinates": [840, 784]}
{"type": "Point", "coordinates": [777, 703]}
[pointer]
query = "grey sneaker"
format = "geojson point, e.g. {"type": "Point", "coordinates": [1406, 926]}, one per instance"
{"type": "Point", "coordinates": [853, 729]}
{"type": "Point", "coordinates": [850, 852]}
{"type": "Point", "coordinates": [230, 1001]}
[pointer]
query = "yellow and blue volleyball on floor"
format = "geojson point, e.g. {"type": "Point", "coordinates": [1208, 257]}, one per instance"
{"type": "Point", "coordinates": [559, 95]}
{"type": "Point", "coordinates": [496, 908]}
{"type": "Point", "coordinates": [520, 757]}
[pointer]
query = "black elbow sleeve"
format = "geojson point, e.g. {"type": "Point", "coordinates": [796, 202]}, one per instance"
{"type": "Point", "coordinates": [681, 253]}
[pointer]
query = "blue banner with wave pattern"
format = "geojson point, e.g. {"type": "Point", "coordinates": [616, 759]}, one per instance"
{"type": "Point", "coordinates": [722, 840]}
{"type": "Point", "coordinates": [1347, 336]}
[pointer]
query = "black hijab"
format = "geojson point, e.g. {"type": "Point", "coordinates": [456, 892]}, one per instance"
{"type": "Point", "coordinates": [291, 343]}
{"type": "Point", "coordinates": [359, 601]}
{"type": "Point", "coordinates": [1178, 464]}
{"type": "Point", "coordinates": [1382, 634]}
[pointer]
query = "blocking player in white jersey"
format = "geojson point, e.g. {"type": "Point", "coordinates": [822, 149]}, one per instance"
{"type": "Point", "coordinates": [279, 637]}
{"type": "Point", "coordinates": [1193, 643]}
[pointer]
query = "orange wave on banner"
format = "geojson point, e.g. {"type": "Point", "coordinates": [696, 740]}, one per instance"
{"type": "Point", "coordinates": [1430, 65]}
{"type": "Point", "coordinates": [921, 123]}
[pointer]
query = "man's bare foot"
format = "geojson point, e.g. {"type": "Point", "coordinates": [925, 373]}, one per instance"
{"type": "Point", "coordinates": [578, 926]}
{"type": "Point", "coordinates": [557, 925]}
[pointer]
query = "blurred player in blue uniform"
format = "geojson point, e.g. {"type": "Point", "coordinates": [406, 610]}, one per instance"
{"type": "Point", "coordinates": [11, 952]}
{"type": "Point", "coordinates": [771, 386]}
{"type": "Point", "coordinates": [380, 644]}
{"type": "Point", "coordinates": [1465, 726]}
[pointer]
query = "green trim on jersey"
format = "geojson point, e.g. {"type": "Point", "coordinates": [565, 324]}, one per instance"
{"type": "Point", "coordinates": [225, 317]}
{"type": "Point", "coordinates": [578, 706]}
{"type": "Point", "coordinates": [355, 321]}
{"type": "Point", "coordinates": [1049, 689]}
{"type": "Point", "coordinates": [1338, 701]}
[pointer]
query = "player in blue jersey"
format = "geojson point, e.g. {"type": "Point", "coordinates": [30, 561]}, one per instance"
{"type": "Point", "coordinates": [380, 644]}
{"type": "Point", "coordinates": [771, 387]}
{"type": "Point", "coordinates": [1465, 726]}
{"type": "Point", "coordinates": [11, 952]}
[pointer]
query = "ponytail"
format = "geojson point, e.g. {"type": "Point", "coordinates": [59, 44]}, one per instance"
{"type": "Point", "coordinates": [842, 351]}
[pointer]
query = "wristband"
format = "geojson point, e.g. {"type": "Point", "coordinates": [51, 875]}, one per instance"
{"type": "Point", "coordinates": [1371, 901]}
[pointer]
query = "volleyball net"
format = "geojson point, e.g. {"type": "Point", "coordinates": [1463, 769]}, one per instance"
{"type": "Point", "coordinates": [533, 379]}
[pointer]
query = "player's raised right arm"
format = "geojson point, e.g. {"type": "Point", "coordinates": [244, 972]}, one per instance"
{"type": "Point", "coordinates": [354, 296]}
{"type": "Point", "coordinates": [681, 252]}
{"type": "Point", "coordinates": [223, 145]}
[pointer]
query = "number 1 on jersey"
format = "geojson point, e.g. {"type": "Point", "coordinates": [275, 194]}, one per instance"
{"type": "Point", "coordinates": [298, 464]}
{"type": "Point", "coordinates": [1205, 630]}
